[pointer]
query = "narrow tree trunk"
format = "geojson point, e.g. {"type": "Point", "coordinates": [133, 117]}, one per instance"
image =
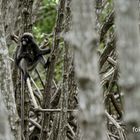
{"type": "Point", "coordinates": [50, 73]}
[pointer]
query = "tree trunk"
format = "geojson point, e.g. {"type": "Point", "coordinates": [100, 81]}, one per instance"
{"type": "Point", "coordinates": [129, 58]}
{"type": "Point", "coordinates": [84, 39]}
{"type": "Point", "coordinates": [7, 93]}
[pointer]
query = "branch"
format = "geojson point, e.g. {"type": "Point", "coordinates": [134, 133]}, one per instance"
{"type": "Point", "coordinates": [106, 26]}
{"type": "Point", "coordinates": [107, 50]}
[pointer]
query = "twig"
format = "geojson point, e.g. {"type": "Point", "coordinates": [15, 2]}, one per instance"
{"type": "Point", "coordinates": [55, 110]}
{"type": "Point", "coordinates": [109, 22]}
{"type": "Point", "coordinates": [39, 77]}
{"type": "Point", "coordinates": [107, 50]}
{"type": "Point", "coordinates": [71, 130]}
{"type": "Point", "coordinates": [55, 84]}
{"type": "Point", "coordinates": [11, 59]}
{"type": "Point", "coordinates": [120, 130]}
{"type": "Point", "coordinates": [31, 93]}
{"type": "Point", "coordinates": [37, 88]}
{"type": "Point", "coordinates": [35, 123]}
{"type": "Point", "coordinates": [112, 62]}
{"type": "Point", "coordinates": [14, 38]}
{"type": "Point", "coordinates": [112, 135]}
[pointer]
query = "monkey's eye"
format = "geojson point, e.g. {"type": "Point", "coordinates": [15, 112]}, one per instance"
{"type": "Point", "coordinates": [26, 39]}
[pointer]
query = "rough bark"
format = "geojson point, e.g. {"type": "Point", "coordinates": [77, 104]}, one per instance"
{"type": "Point", "coordinates": [50, 73]}
{"type": "Point", "coordinates": [6, 88]}
{"type": "Point", "coordinates": [84, 39]}
{"type": "Point", "coordinates": [129, 57]}
{"type": "Point", "coordinates": [65, 92]}
{"type": "Point", "coordinates": [5, 132]}
{"type": "Point", "coordinates": [9, 15]}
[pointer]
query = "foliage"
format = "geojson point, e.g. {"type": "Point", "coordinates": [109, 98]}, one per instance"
{"type": "Point", "coordinates": [46, 21]}
{"type": "Point", "coordinates": [44, 27]}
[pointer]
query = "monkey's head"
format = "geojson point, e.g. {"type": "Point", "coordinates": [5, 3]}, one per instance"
{"type": "Point", "coordinates": [26, 39]}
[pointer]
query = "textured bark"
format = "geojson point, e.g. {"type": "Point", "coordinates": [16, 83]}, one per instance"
{"type": "Point", "coordinates": [129, 58]}
{"type": "Point", "coordinates": [84, 39]}
{"type": "Point", "coordinates": [5, 132]}
{"type": "Point", "coordinates": [6, 88]}
{"type": "Point", "coordinates": [9, 15]}
{"type": "Point", "coordinates": [50, 73]}
{"type": "Point", "coordinates": [66, 71]}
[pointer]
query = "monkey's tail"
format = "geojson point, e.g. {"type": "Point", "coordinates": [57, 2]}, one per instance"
{"type": "Point", "coordinates": [22, 103]}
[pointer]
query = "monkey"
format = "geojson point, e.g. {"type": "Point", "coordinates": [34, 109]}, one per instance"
{"type": "Point", "coordinates": [28, 54]}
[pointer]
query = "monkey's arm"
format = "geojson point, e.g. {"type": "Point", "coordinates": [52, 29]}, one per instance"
{"type": "Point", "coordinates": [39, 52]}
{"type": "Point", "coordinates": [41, 58]}
{"type": "Point", "coordinates": [44, 51]}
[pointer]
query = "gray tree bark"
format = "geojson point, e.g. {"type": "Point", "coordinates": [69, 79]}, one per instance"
{"type": "Point", "coordinates": [84, 39]}
{"type": "Point", "coordinates": [9, 120]}
{"type": "Point", "coordinates": [9, 12]}
{"type": "Point", "coordinates": [129, 60]}
{"type": "Point", "coordinates": [5, 132]}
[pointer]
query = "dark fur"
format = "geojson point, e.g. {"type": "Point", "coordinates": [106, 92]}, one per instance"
{"type": "Point", "coordinates": [28, 54]}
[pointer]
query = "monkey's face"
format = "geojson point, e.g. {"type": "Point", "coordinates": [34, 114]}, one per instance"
{"type": "Point", "coordinates": [24, 41]}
